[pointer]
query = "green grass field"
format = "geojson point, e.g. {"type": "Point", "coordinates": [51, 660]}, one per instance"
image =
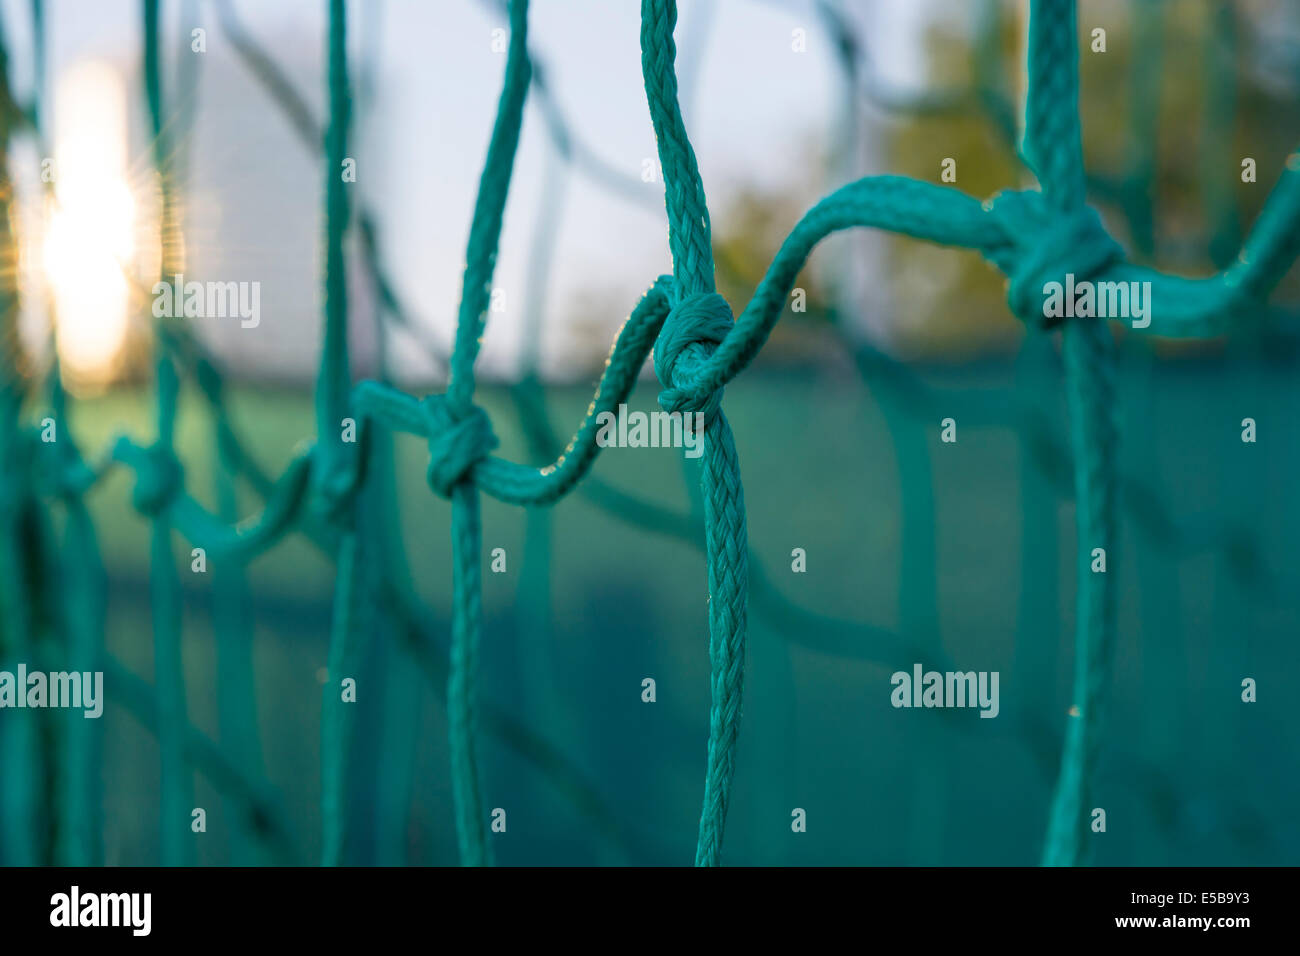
{"type": "Point", "coordinates": [989, 581]}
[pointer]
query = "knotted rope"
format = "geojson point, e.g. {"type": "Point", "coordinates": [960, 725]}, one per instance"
{"type": "Point", "coordinates": [1045, 244]}
{"type": "Point", "coordinates": [457, 442]}
{"type": "Point", "coordinates": [1053, 148]}
{"type": "Point", "coordinates": [695, 327]}
{"type": "Point", "coordinates": [335, 479]}
{"type": "Point", "coordinates": [467, 610]}
{"type": "Point", "coordinates": [159, 479]}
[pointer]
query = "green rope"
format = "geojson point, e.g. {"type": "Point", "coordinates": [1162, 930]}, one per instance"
{"type": "Point", "coordinates": [1216, 145]}
{"type": "Point", "coordinates": [79, 613]}
{"type": "Point", "coordinates": [452, 459]}
{"type": "Point", "coordinates": [336, 475]}
{"type": "Point", "coordinates": [699, 320]}
{"type": "Point", "coordinates": [82, 574]}
{"type": "Point", "coordinates": [165, 601]}
{"type": "Point", "coordinates": [21, 796]}
{"type": "Point", "coordinates": [233, 627]}
{"type": "Point", "coordinates": [1053, 148]}
{"type": "Point", "coordinates": [336, 463]}
{"type": "Point", "coordinates": [1090, 395]}
{"type": "Point", "coordinates": [76, 562]}
{"type": "Point", "coordinates": [157, 484]}
{"type": "Point", "coordinates": [336, 714]}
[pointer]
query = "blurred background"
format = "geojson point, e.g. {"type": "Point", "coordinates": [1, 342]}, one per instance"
{"type": "Point", "coordinates": [958, 555]}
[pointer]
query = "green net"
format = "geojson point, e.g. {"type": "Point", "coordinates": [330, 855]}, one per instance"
{"type": "Point", "coordinates": [335, 491]}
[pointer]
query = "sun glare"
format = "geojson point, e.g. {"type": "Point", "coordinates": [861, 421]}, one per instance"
{"type": "Point", "coordinates": [89, 241]}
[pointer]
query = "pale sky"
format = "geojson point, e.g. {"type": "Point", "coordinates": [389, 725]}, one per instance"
{"type": "Point", "coordinates": [757, 106]}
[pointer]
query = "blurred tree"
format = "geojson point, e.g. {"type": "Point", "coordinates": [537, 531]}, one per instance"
{"type": "Point", "coordinates": [1170, 109]}
{"type": "Point", "coordinates": [1180, 96]}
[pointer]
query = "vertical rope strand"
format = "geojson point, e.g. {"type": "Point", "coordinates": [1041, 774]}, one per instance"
{"type": "Point", "coordinates": [80, 830]}
{"type": "Point", "coordinates": [462, 678]}
{"type": "Point", "coordinates": [1053, 141]}
{"type": "Point", "coordinates": [23, 769]}
{"type": "Point", "coordinates": [1053, 148]}
{"type": "Point", "coordinates": [334, 378]}
{"type": "Point", "coordinates": [480, 262]}
{"type": "Point", "coordinates": [1090, 395]}
{"type": "Point", "coordinates": [336, 714]}
{"type": "Point", "coordinates": [727, 546]}
{"type": "Point", "coordinates": [169, 672]}
{"type": "Point", "coordinates": [689, 231]}
{"type": "Point", "coordinates": [236, 687]}
{"type": "Point", "coordinates": [338, 461]}
{"type": "Point", "coordinates": [489, 210]}
{"type": "Point", "coordinates": [80, 569]}
{"type": "Point", "coordinates": [164, 582]}
{"type": "Point", "coordinates": [726, 536]}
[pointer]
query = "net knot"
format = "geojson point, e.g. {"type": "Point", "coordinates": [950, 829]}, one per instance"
{"type": "Point", "coordinates": [159, 479]}
{"type": "Point", "coordinates": [457, 442]}
{"type": "Point", "coordinates": [1045, 244]}
{"type": "Point", "coordinates": [334, 483]}
{"type": "Point", "coordinates": [691, 332]}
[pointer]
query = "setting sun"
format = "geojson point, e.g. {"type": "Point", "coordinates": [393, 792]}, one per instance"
{"type": "Point", "coordinates": [90, 238]}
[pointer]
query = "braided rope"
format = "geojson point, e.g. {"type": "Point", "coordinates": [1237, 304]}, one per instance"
{"type": "Point", "coordinates": [699, 320]}
{"type": "Point", "coordinates": [727, 549]}
{"type": "Point", "coordinates": [688, 211]}
{"type": "Point", "coordinates": [467, 610]}
{"type": "Point", "coordinates": [1054, 149]}
{"type": "Point", "coordinates": [1090, 394]}
{"type": "Point", "coordinates": [1053, 142]}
